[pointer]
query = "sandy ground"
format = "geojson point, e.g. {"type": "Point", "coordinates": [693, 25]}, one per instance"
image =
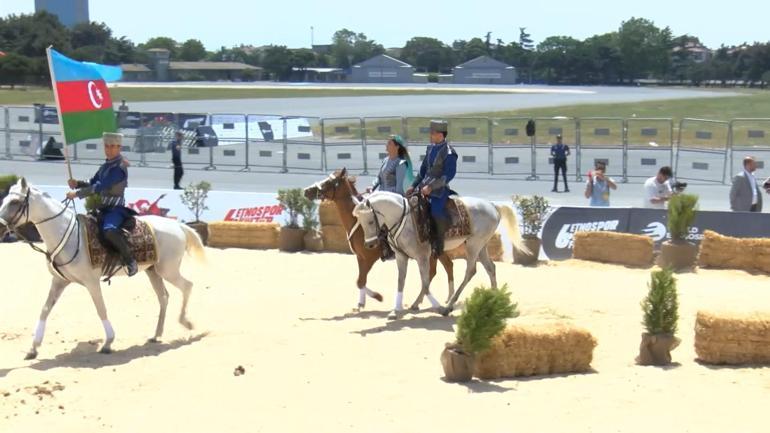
{"type": "Point", "coordinates": [310, 365]}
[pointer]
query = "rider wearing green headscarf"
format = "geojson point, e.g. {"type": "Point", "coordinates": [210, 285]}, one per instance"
{"type": "Point", "coordinates": [396, 171]}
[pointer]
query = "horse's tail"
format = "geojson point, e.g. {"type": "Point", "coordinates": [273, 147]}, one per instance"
{"type": "Point", "coordinates": [512, 226]}
{"type": "Point", "coordinates": [194, 246]}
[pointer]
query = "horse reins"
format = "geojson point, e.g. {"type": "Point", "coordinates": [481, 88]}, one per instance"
{"type": "Point", "coordinates": [12, 225]}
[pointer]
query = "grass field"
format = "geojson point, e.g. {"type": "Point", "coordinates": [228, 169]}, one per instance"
{"type": "Point", "coordinates": [42, 95]}
{"type": "Point", "coordinates": [755, 104]}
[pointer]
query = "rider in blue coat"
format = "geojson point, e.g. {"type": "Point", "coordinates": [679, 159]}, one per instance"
{"type": "Point", "coordinates": [110, 183]}
{"type": "Point", "coordinates": [437, 170]}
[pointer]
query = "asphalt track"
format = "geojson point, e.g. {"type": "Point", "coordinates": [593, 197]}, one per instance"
{"type": "Point", "coordinates": [515, 98]}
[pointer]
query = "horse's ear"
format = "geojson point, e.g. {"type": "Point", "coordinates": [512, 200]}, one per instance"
{"type": "Point", "coordinates": [23, 184]}
{"type": "Point", "coordinates": [343, 172]}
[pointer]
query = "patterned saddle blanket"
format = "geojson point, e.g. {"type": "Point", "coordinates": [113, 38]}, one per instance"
{"type": "Point", "coordinates": [144, 245]}
{"type": "Point", "coordinates": [458, 214]}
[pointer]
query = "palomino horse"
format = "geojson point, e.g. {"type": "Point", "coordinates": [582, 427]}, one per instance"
{"type": "Point", "coordinates": [392, 212]}
{"type": "Point", "coordinates": [340, 189]}
{"type": "Point", "coordinates": [68, 262]}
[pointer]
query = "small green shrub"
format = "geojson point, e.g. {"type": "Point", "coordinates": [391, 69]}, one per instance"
{"type": "Point", "coordinates": [661, 306]}
{"type": "Point", "coordinates": [294, 202]}
{"type": "Point", "coordinates": [681, 214]}
{"type": "Point", "coordinates": [194, 197]}
{"type": "Point", "coordinates": [483, 317]}
{"type": "Point", "coordinates": [534, 211]}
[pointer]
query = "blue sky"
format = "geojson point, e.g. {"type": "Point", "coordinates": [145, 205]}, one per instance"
{"type": "Point", "coordinates": [392, 23]}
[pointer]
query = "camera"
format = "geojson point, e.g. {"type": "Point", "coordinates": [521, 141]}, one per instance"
{"type": "Point", "coordinates": [679, 186]}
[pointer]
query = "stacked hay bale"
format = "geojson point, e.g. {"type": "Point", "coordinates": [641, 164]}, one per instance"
{"type": "Point", "coordinates": [334, 236]}
{"type": "Point", "coordinates": [750, 254]}
{"type": "Point", "coordinates": [612, 247]}
{"type": "Point", "coordinates": [732, 338]}
{"type": "Point", "coordinates": [231, 234]}
{"type": "Point", "coordinates": [494, 248]}
{"type": "Point", "coordinates": [537, 349]}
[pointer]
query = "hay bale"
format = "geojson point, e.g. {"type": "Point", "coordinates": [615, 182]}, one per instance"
{"type": "Point", "coordinates": [328, 214]}
{"type": "Point", "coordinates": [494, 248]}
{"type": "Point", "coordinates": [732, 338]}
{"type": "Point", "coordinates": [335, 239]}
{"type": "Point", "coordinates": [612, 247]}
{"type": "Point", "coordinates": [537, 349]}
{"type": "Point", "coordinates": [750, 254]}
{"type": "Point", "coordinates": [231, 234]}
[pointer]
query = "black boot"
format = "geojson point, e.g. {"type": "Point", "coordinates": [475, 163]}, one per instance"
{"type": "Point", "coordinates": [120, 244]}
{"type": "Point", "coordinates": [441, 225]}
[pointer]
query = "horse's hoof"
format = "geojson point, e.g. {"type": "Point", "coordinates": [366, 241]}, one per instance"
{"type": "Point", "coordinates": [444, 311]}
{"type": "Point", "coordinates": [395, 315]}
{"type": "Point", "coordinates": [414, 308]}
{"type": "Point", "coordinates": [153, 340]}
{"type": "Point", "coordinates": [105, 351]}
{"type": "Point", "coordinates": [186, 323]}
{"type": "Point", "coordinates": [32, 354]}
{"type": "Point", "coordinates": [377, 296]}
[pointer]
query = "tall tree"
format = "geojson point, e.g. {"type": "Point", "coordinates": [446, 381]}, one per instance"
{"type": "Point", "coordinates": [15, 69]}
{"type": "Point", "coordinates": [645, 49]}
{"type": "Point", "coordinates": [162, 42]}
{"type": "Point", "coordinates": [428, 54]}
{"type": "Point", "coordinates": [525, 41]}
{"type": "Point", "coordinates": [349, 48]}
{"type": "Point", "coordinates": [276, 60]}
{"type": "Point", "coordinates": [192, 50]}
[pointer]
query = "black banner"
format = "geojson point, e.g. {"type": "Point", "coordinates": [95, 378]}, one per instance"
{"type": "Point", "coordinates": [565, 221]}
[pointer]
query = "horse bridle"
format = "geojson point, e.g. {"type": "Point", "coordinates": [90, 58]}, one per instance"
{"type": "Point", "coordinates": [12, 225]}
{"type": "Point", "coordinates": [392, 232]}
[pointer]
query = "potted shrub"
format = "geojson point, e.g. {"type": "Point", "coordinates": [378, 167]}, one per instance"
{"type": "Point", "coordinates": [483, 317]}
{"type": "Point", "coordinates": [534, 211]}
{"type": "Point", "coordinates": [291, 236]}
{"type": "Point", "coordinates": [194, 197]}
{"type": "Point", "coordinates": [677, 253]}
{"type": "Point", "coordinates": [313, 240]}
{"type": "Point", "coordinates": [661, 313]}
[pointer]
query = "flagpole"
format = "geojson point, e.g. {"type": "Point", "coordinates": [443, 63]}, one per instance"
{"type": "Point", "coordinates": [58, 113]}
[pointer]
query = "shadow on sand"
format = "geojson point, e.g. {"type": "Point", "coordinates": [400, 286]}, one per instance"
{"type": "Point", "coordinates": [85, 355]}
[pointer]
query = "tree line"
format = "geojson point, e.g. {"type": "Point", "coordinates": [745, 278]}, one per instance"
{"type": "Point", "coordinates": [637, 50]}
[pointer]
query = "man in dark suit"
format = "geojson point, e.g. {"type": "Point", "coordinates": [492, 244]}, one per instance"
{"type": "Point", "coordinates": [745, 194]}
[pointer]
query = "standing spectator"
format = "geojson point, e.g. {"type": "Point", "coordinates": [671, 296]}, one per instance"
{"type": "Point", "coordinates": [176, 157]}
{"type": "Point", "coordinates": [598, 186]}
{"type": "Point", "coordinates": [744, 194]}
{"type": "Point", "coordinates": [657, 189]}
{"type": "Point", "coordinates": [559, 152]}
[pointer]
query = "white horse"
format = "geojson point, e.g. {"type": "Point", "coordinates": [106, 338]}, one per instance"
{"type": "Point", "coordinates": [393, 212]}
{"type": "Point", "coordinates": [68, 261]}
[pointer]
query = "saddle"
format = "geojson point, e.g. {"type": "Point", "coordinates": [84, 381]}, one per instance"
{"type": "Point", "coordinates": [141, 239]}
{"type": "Point", "coordinates": [460, 219]}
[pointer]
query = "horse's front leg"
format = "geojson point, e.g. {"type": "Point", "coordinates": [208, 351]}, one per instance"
{"type": "Point", "coordinates": [95, 290]}
{"type": "Point", "coordinates": [57, 287]}
{"type": "Point", "coordinates": [398, 311]}
{"type": "Point", "coordinates": [425, 276]}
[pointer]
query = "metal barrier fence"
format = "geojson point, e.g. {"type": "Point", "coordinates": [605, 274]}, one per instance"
{"type": "Point", "coordinates": [633, 148]}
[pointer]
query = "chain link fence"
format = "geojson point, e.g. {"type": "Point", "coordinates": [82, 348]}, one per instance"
{"type": "Point", "coordinates": [632, 148]}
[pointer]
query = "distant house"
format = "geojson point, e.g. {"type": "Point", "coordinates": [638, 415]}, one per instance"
{"type": "Point", "coordinates": [696, 51]}
{"type": "Point", "coordinates": [212, 71]}
{"type": "Point", "coordinates": [317, 75]}
{"type": "Point", "coordinates": [161, 68]}
{"type": "Point", "coordinates": [382, 69]}
{"type": "Point", "coordinates": [136, 72]}
{"type": "Point", "coordinates": [484, 70]}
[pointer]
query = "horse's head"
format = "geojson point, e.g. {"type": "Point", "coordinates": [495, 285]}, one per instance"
{"type": "Point", "coordinates": [14, 210]}
{"type": "Point", "coordinates": [330, 188]}
{"type": "Point", "coordinates": [368, 219]}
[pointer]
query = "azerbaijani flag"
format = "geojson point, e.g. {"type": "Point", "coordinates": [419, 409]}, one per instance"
{"type": "Point", "coordinates": [82, 98]}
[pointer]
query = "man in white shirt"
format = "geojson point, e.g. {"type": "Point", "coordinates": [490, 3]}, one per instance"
{"type": "Point", "coordinates": [745, 193]}
{"type": "Point", "coordinates": [657, 190]}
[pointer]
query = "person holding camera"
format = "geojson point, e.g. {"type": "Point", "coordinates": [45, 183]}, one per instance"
{"type": "Point", "coordinates": [744, 193]}
{"type": "Point", "coordinates": [657, 189]}
{"type": "Point", "coordinates": [598, 186]}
